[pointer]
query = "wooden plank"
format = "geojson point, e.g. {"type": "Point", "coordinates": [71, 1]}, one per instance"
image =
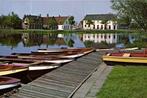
{"type": "Point", "coordinates": [54, 83]}
{"type": "Point", "coordinates": [34, 94]}
{"type": "Point", "coordinates": [46, 91]}
{"type": "Point", "coordinates": [51, 86]}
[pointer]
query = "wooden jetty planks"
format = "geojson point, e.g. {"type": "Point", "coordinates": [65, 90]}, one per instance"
{"type": "Point", "coordinates": [61, 82]}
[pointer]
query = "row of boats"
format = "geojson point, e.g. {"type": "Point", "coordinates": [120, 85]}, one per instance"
{"type": "Point", "coordinates": [42, 59]}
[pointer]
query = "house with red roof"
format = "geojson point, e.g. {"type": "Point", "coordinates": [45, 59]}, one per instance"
{"type": "Point", "coordinates": [48, 22]}
{"type": "Point", "coordinates": [63, 22]}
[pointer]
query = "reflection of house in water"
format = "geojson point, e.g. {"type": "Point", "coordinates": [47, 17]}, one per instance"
{"type": "Point", "coordinates": [73, 40]}
{"type": "Point", "coordinates": [32, 39]}
{"type": "Point", "coordinates": [98, 38]}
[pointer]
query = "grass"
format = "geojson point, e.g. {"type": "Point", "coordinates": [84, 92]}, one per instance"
{"type": "Point", "coordinates": [125, 82]}
{"type": "Point", "coordinates": [66, 31]}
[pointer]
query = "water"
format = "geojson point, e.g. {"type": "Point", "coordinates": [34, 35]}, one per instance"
{"type": "Point", "coordinates": [27, 42]}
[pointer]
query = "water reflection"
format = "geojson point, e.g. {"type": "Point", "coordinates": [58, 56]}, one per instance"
{"type": "Point", "coordinates": [27, 42]}
{"type": "Point", "coordinates": [108, 40]}
{"type": "Point", "coordinates": [98, 38]}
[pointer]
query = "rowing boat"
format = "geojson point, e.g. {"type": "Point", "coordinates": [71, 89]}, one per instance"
{"type": "Point", "coordinates": [57, 50]}
{"type": "Point", "coordinates": [6, 69]}
{"type": "Point", "coordinates": [126, 57]}
{"type": "Point", "coordinates": [32, 59]}
{"type": "Point", "coordinates": [37, 66]}
{"type": "Point", "coordinates": [69, 54]}
{"type": "Point", "coordinates": [8, 82]}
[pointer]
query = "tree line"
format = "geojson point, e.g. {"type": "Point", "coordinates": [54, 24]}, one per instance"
{"type": "Point", "coordinates": [131, 12]}
{"type": "Point", "coordinates": [10, 21]}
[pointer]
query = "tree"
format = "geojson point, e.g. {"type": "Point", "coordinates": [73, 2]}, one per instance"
{"type": "Point", "coordinates": [10, 21]}
{"type": "Point", "coordinates": [15, 21]}
{"type": "Point", "coordinates": [1, 21]}
{"type": "Point", "coordinates": [71, 21]}
{"type": "Point", "coordinates": [52, 23]}
{"type": "Point", "coordinates": [89, 22]}
{"type": "Point", "coordinates": [133, 9]}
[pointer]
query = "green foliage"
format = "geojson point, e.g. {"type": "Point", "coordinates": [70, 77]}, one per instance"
{"type": "Point", "coordinates": [71, 20]}
{"type": "Point", "coordinates": [125, 82]}
{"type": "Point", "coordinates": [10, 21]}
{"type": "Point", "coordinates": [132, 10]}
{"type": "Point", "coordinates": [52, 24]}
{"type": "Point", "coordinates": [70, 43]}
{"type": "Point", "coordinates": [140, 43]}
{"type": "Point", "coordinates": [89, 43]}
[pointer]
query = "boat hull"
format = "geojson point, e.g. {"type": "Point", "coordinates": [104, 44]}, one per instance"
{"type": "Point", "coordinates": [125, 59]}
{"type": "Point", "coordinates": [8, 82]}
{"type": "Point", "coordinates": [33, 68]}
{"type": "Point", "coordinates": [12, 71]}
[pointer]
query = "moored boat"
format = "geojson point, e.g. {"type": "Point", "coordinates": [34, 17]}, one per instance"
{"type": "Point", "coordinates": [62, 53]}
{"type": "Point", "coordinates": [83, 50]}
{"type": "Point", "coordinates": [8, 82]}
{"type": "Point", "coordinates": [126, 57]}
{"type": "Point", "coordinates": [38, 66]}
{"type": "Point", "coordinates": [6, 69]}
{"type": "Point", "coordinates": [30, 59]}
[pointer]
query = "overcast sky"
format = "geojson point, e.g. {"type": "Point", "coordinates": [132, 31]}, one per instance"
{"type": "Point", "coordinates": [77, 8]}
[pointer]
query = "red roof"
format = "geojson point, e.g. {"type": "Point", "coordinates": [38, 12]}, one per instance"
{"type": "Point", "coordinates": [61, 19]}
{"type": "Point", "coordinates": [45, 20]}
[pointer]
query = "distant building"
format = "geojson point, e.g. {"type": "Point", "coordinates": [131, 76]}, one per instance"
{"type": "Point", "coordinates": [38, 22]}
{"type": "Point", "coordinates": [100, 22]}
{"type": "Point", "coordinates": [32, 22]}
{"type": "Point", "coordinates": [63, 22]}
{"type": "Point", "coordinates": [46, 22]}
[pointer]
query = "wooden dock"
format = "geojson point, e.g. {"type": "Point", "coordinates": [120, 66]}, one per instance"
{"type": "Point", "coordinates": [61, 82]}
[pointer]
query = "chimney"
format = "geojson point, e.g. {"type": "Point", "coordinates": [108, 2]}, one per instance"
{"type": "Point", "coordinates": [47, 15]}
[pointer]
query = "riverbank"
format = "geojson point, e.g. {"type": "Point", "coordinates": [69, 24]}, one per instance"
{"type": "Point", "coordinates": [67, 31]}
{"type": "Point", "coordinates": [125, 82]}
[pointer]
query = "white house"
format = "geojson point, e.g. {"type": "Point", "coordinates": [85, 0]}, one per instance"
{"type": "Point", "coordinates": [63, 22]}
{"type": "Point", "coordinates": [100, 22]}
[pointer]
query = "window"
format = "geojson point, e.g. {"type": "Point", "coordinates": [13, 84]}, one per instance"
{"type": "Point", "coordinates": [109, 27]}
{"type": "Point", "coordinates": [114, 27]}
{"type": "Point", "coordinates": [93, 27]}
{"type": "Point", "coordinates": [101, 26]}
{"type": "Point", "coordinates": [97, 26]}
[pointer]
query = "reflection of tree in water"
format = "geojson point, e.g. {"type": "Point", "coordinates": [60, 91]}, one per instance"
{"type": "Point", "coordinates": [101, 45]}
{"type": "Point", "coordinates": [69, 39]}
{"type": "Point", "coordinates": [124, 39]}
{"type": "Point", "coordinates": [10, 39]}
{"type": "Point", "coordinates": [34, 39]}
{"type": "Point", "coordinates": [140, 42]}
{"type": "Point", "coordinates": [70, 43]}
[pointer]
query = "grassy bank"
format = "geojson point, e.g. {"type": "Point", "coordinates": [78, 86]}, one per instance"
{"type": "Point", "coordinates": [125, 82]}
{"type": "Point", "coordinates": [66, 31]}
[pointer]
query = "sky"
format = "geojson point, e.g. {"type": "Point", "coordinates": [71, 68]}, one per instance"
{"type": "Point", "coordinates": [76, 8]}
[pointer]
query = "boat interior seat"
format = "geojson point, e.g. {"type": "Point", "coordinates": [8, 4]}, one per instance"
{"type": "Point", "coordinates": [126, 55]}
{"type": "Point", "coordinates": [108, 54]}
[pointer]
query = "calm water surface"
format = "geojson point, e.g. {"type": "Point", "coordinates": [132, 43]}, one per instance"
{"type": "Point", "coordinates": [27, 42]}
